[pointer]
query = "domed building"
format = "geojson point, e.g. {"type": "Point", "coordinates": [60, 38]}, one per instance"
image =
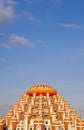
{"type": "Point", "coordinates": [42, 108]}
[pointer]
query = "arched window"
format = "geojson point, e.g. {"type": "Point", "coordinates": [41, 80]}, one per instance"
{"type": "Point", "coordinates": [38, 127]}
{"type": "Point", "coordinates": [45, 128]}
{"type": "Point", "coordinates": [57, 128]}
{"type": "Point", "coordinates": [46, 122]}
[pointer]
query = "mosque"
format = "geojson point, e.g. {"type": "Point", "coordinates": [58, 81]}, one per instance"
{"type": "Point", "coordinates": [42, 108]}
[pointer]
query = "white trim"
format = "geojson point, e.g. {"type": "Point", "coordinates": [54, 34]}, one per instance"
{"type": "Point", "coordinates": [13, 121]}
{"type": "Point", "coordinates": [38, 123]}
{"type": "Point", "coordinates": [55, 125]}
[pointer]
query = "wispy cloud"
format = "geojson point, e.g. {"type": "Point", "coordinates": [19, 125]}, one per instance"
{"type": "Point", "coordinates": [41, 42]}
{"type": "Point", "coordinates": [2, 59]}
{"type": "Point", "coordinates": [29, 1]}
{"type": "Point", "coordinates": [3, 45]}
{"type": "Point", "coordinates": [12, 2]}
{"type": "Point", "coordinates": [57, 1]}
{"type": "Point", "coordinates": [6, 11]}
{"type": "Point", "coordinates": [2, 35]}
{"type": "Point", "coordinates": [67, 25]}
{"type": "Point", "coordinates": [33, 1]}
{"type": "Point", "coordinates": [31, 17]}
{"type": "Point", "coordinates": [19, 41]}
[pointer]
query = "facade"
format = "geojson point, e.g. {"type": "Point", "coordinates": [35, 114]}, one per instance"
{"type": "Point", "coordinates": [42, 108]}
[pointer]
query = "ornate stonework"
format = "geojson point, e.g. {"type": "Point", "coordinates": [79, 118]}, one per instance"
{"type": "Point", "coordinates": [42, 108]}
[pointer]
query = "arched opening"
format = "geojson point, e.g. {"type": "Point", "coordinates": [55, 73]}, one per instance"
{"type": "Point", "coordinates": [38, 127]}
{"type": "Point", "coordinates": [45, 128]}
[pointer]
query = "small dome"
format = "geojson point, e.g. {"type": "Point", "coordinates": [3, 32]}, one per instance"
{"type": "Point", "coordinates": [41, 89]}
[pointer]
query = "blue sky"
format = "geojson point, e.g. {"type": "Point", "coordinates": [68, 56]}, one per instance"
{"type": "Point", "coordinates": [42, 42]}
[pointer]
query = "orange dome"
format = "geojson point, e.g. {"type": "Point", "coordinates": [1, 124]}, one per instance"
{"type": "Point", "coordinates": [41, 89]}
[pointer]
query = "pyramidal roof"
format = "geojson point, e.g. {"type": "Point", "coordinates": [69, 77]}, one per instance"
{"type": "Point", "coordinates": [42, 108]}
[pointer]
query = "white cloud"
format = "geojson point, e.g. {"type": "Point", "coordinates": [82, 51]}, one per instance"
{"type": "Point", "coordinates": [30, 17]}
{"type": "Point", "coordinates": [6, 11]}
{"type": "Point", "coordinates": [3, 45]}
{"type": "Point", "coordinates": [67, 25]}
{"type": "Point", "coordinates": [19, 41]}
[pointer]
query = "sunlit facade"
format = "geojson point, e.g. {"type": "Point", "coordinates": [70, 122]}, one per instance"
{"type": "Point", "coordinates": [42, 108]}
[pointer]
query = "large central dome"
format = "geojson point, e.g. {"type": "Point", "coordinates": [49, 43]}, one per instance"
{"type": "Point", "coordinates": [41, 89]}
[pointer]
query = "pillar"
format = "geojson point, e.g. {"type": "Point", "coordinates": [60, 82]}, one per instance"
{"type": "Point", "coordinates": [52, 117]}
{"type": "Point", "coordinates": [27, 116]}
{"type": "Point", "coordinates": [15, 108]}
{"type": "Point", "coordinates": [67, 109]}
{"type": "Point", "coordinates": [19, 114]}
{"type": "Point", "coordinates": [51, 108]}
{"type": "Point", "coordinates": [62, 114]}
{"type": "Point", "coordinates": [56, 125]}
{"type": "Point", "coordinates": [30, 110]}
{"type": "Point", "coordinates": [57, 105]}
{"type": "Point", "coordinates": [73, 119]}
{"type": "Point", "coordinates": [8, 118]}
{"type": "Point", "coordinates": [13, 123]}
{"type": "Point", "coordinates": [67, 123]}
{"type": "Point", "coordinates": [1, 124]}
{"type": "Point", "coordinates": [39, 124]}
